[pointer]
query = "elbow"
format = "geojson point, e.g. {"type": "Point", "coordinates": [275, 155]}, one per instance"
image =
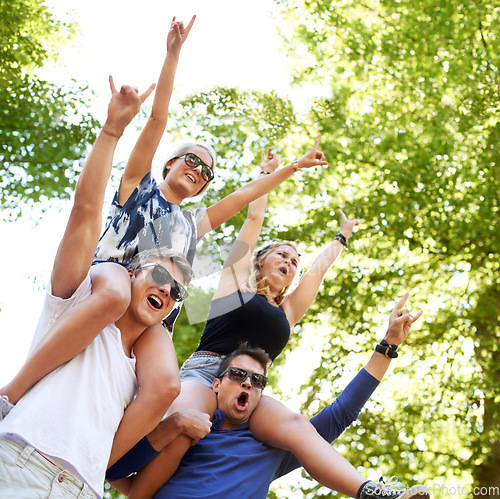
{"type": "Point", "coordinates": [107, 288]}
{"type": "Point", "coordinates": [115, 299]}
{"type": "Point", "coordinates": [158, 118]}
{"type": "Point", "coordinates": [160, 394]}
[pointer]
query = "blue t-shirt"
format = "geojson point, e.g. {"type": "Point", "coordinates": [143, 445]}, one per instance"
{"type": "Point", "coordinates": [147, 220]}
{"type": "Point", "coordinates": [214, 467]}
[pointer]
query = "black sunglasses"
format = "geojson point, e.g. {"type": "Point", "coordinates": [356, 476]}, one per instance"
{"type": "Point", "coordinates": [162, 276]}
{"type": "Point", "coordinates": [239, 375]}
{"type": "Point", "coordinates": [194, 161]}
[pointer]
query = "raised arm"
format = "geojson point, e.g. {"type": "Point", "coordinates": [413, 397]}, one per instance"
{"type": "Point", "coordinates": [298, 302]}
{"type": "Point", "coordinates": [336, 417]}
{"type": "Point", "coordinates": [236, 267]}
{"type": "Point", "coordinates": [222, 211]}
{"type": "Point", "coordinates": [76, 250]}
{"type": "Point", "coordinates": [400, 322]}
{"type": "Point", "coordinates": [141, 158]}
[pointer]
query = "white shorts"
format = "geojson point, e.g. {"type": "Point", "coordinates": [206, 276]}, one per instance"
{"type": "Point", "coordinates": [26, 474]}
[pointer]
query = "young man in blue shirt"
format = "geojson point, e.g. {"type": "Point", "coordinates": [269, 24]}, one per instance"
{"type": "Point", "coordinates": [229, 460]}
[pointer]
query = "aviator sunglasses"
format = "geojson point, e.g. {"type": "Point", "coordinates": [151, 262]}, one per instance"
{"type": "Point", "coordinates": [239, 375]}
{"type": "Point", "coordinates": [162, 276]}
{"type": "Point", "coordinates": [194, 161]}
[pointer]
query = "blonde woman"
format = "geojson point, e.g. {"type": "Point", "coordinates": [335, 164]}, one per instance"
{"type": "Point", "coordinates": [252, 304]}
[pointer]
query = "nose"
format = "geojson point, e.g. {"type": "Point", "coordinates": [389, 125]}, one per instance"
{"type": "Point", "coordinates": [165, 289]}
{"type": "Point", "coordinates": [246, 383]}
{"type": "Point", "coordinates": [198, 169]}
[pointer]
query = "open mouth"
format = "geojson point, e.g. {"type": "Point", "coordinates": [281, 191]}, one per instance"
{"type": "Point", "coordinates": [191, 178]}
{"type": "Point", "coordinates": [282, 270]}
{"type": "Point", "coordinates": [155, 302]}
{"type": "Point", "coordinates": [242, 401]}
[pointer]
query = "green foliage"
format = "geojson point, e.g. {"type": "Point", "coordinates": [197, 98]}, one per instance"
{"type": "Point", "coordinates": [239, 125]}
{"type": "Point", "coordinates": [111, 493]}
{"type": "Point", "coordinates": [411, 126]}
{"type": "Point", "coordinates": [43, 131]}
{"type": "Point", "coordinates": [410, 130]}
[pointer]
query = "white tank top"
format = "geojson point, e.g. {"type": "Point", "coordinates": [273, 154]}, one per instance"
{"type": "Point", "coordinates": [72, 414]}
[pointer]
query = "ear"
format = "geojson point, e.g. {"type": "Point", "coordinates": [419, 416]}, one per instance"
{"type": "Point", "coordinates": [167, 167]}
{"type": "Point", "coordinates": [168, 164]}
{"type": "Point", "coordinates": [216, 385]}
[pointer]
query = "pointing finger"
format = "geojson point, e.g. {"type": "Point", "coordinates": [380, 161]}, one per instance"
{"type": "Point", "coordinates": [188, 27]}
{"type": "Point", "coordinates": [112, 84]}
{"type": "Point", "coordinates": [316, 142]}
{"type": "Point", "coordinates": [401, 302]}
{"type": "Point", "coordinates": [147, 93]}
{"type": "Point", "coordinates": [417, 316]}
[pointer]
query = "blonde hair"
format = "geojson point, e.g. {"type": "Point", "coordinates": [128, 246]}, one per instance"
{"type": "Point", "coordinates": [258, 284]}
{"type": "Point", "coordinates": [187, 147]}
{"type": "Point", "coordinates": [163, 253]}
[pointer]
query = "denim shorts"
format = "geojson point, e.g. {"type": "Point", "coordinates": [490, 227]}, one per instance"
{"type": "Point", "coordinates": [202, 367]}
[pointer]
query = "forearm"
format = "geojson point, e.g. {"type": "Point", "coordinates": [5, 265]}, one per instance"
{"type": "Point", "coordinates": [299, 301]}
{"type": "Point", "coordinates": [257, 209]}
{"type": "Point", "coordinates": [164, 88]}
{"type": "Point", "coordinates": [80, 238]}
{"type": "Point", "coordinates": [378, 365]}
{"type": "Point", "coordinates": [326, 259]}
{"type": "Point", "coordinates": [91, 186]}
{"type": "Point", "coordinates": [261, 186]}
{"type": "Point", "coordinates": [140, 418]}
{"type": "Point", "coordinates": [235, 202]}
{"type": "Point", "coordinates": [165, 433]}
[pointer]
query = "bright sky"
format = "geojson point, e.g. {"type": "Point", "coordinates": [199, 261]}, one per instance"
{"type": "Point", "coordinates": [231, 44]}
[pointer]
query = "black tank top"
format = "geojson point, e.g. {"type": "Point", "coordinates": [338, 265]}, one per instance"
{"type": "Point", "coordinates": [241, 317]}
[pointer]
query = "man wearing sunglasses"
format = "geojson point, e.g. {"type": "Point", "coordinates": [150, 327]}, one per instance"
{"type": "Point", "coordinates": [58, 438]}
{"type": "Point", "coordinates": [229, 461]}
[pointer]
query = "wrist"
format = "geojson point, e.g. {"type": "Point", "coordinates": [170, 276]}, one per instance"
{"type": "Point", "coordinates": [112, 130]}
{"type": "Point", "coordinates": [341, 239]}
{"type": "Point", "coordinates": [387, 349]}
{"type": "Point", "coordinates": [178, 422]}
{"type": "Point", "coordinates": [345, 233]}
{"type": "Point", "coordinates": [173, 53]}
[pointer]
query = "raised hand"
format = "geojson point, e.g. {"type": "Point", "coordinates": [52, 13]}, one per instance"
{"type": "Point", "coordinates": [270, 161]}
{"type": "Point", "coordinates": [177, 34]}
{"type": "Point", "coordinates": [346, 225]}
{"type": "Point", "coordinates": [400, 322]}
{"type": "Point", "coordinates": [123, 106]}
{"type": "Point", "coordinates": [312, 157]}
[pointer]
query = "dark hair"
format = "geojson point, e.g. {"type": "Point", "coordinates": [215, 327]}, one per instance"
{"type": "Point", "coordinates": [245, 349]}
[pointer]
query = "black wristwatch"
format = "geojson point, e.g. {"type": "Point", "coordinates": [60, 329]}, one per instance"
{"type": "Point", "coordinates": [341, 239]}
{"type": "Point", "coordinates": [388, 350]}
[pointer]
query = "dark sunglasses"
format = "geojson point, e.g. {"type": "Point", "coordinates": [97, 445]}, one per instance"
{"type": "Point", "coordinates": [162, 276]}
{"type": "Point", "coordinates": [194, 161]}
{"type": "Point", "coordinates": [239, 375]}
